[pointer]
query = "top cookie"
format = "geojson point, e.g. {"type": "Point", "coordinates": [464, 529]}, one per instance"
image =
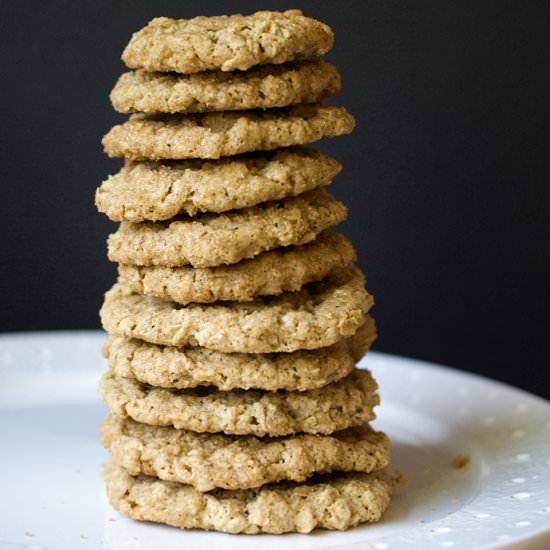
{"type": "Point", "coordinates": [260, 88]}
{"type": "Point", "coordinates": [226, 43]}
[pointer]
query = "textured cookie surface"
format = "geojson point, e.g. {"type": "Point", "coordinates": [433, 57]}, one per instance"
{"type": "Point", "coordinates": [225, 42]}
{"type": "Point", "coordinates": [339, 502]}
{"type": "Point", "coordinates": [168, 367]}
{"type": "Point", "coordinates": [209, 461]}
{"type": "Point", "coordinates": [260, 88]}
{"type": "Point", "coordinates": [159, 191]}
{"type": "Point", "coordinates": [340, 405]}
{"type": "Point", "coordinates": [211, 240]}
{"type": "Point", "coordinates": [270, 273]}
{"type": "Point", "coordinates": [316, 316]}
{"type": "Point", "coordinates": [221, 134]}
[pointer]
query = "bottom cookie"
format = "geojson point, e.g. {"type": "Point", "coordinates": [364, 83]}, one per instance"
{"type": "Point", "coordinates": [337, 502]}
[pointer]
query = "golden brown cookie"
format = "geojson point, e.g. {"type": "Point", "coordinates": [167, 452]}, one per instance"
{"type": "Point", "coordinates": [226, 42]}
{"type": "Point", "coordinates": [337, 501]}
{"type": "Point", "coordinates": [158, 191]}
{"type": "Point", "coordinates": [259, 88]}
{"type": "Point", "coordinates": [337, 406]}
{"type": "Point", "coordinates": [271, 273]}
{"type": "Point", "coordinates": [180, 368]}
{"type": "Point", "coordinates": [210, 461]}
{"type": "Point", "coordinates": [222, 134]}
{"type": "Point", "coordinates": [317, 316]}
{"type": "Point", "coordinates": [211, 240]}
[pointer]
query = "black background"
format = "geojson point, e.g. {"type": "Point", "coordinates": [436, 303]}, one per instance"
{"type": "Point", "coordinates": [447, 175]}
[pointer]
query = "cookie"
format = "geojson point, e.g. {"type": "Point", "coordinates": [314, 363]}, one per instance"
{"type": "Point", "coordinates": [168, 367]}
{"type": "Point", "coordinates": [209, 461]}
{"type": "Point", "coordinates": [317, 316]}
{"type": "Point", "coordinates": [216, 239]}
{"type": "Point", "coordinates": [340, 405]}
{"type": "Point", "coordinates": [271, 273]}
{"type": "Point", "coordinates": [159, 191]}
{"type": "Point", "coordinates": [338, 501]}
{"type": "Point", "coordinates": [222, 134]}
{"type": "Point", "coordinates": [259, 88]}
{"type": "Point", "coordinates": [226, 43]}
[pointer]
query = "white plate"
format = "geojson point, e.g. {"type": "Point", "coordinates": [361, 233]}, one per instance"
{"type": "Point", "coordinates": [51, 495]}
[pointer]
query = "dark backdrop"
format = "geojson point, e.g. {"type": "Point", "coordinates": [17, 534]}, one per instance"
{"type": "Point", "coordinates": [446, 175]}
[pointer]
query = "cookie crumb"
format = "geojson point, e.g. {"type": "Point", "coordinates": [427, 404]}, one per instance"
{"type": "Point", "coordinates": [460, 462]}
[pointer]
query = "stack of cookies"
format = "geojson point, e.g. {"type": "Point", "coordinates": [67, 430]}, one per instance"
{"type": "Point", "coordinates": [238, 316]}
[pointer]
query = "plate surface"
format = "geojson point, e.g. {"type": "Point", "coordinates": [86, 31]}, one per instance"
{"type": "Point", "coordinates": [52, 494]}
